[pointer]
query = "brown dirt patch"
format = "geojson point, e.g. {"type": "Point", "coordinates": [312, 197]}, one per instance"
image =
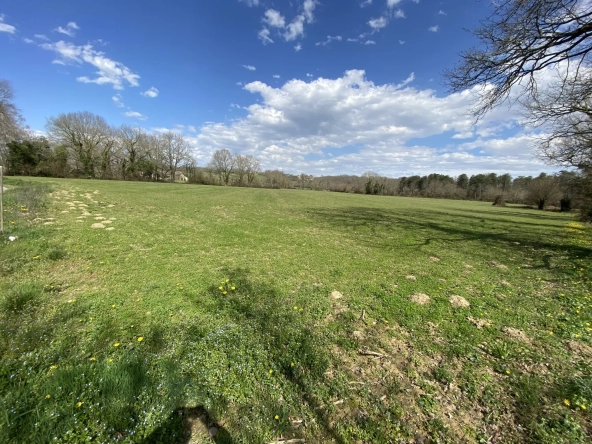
{"type": "Point", "coordinates": [420, 298]}
{"type": "Point", "coordinates": [336, 295]}
{"type": "Point", "coordinates": [517, 335]}
{"type": "Point", "coordinates": [110, 229]}
{"type": "Point", "coordinates": [478, 322]}
{"type": "Point", "coordinates": [579, 348]}
{"type": "Point", "coordinates": [97, 225]}
{"type": "Point", "coordinates": [495, 264]}
{"type": "Point", "coordinates": [468, 267]}
{"type": "Point", "coordinates": [459, 301]}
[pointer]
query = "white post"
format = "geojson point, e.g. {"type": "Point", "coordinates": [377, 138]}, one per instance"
{"type": "Point", "coordinates": [1, 202]}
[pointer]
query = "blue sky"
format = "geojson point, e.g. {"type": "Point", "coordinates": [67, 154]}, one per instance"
{"type": "Point", "coordinates": [321, 87]}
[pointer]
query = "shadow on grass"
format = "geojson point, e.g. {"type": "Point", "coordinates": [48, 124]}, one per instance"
{"type": "Point", "coordinates": [382, 229]}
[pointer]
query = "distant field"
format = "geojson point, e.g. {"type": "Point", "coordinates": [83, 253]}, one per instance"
{"type": "Point", "coordinates": [270, 315]}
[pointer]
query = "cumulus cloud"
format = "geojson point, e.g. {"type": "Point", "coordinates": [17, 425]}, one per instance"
{"type": "Point", "coordinates": [108, 71]}
{"type": "Point", "coordinates": [329, 40]}
{"type": "Point", "coordinates": [250, 67]}
{"type": "Point", "coordinates": [295, 29]}
{"type": "Point", "coordinates": [309, 7]}
{"type": "Point", "coordinates": [440, 12]}
{"type": "Point", "coordinates": [276, 76]}
{"type": "Point", "coordinates": [378, 23]}
{"type": "Point", "coordinates": [399, 14]}
{"type": "Point", "coordinates": [297, 47]}
{"type": "Point", "coordinates": [365, 3]}
{"type": "Point", "coordinates": [392, 3]}
{"type": "Point", "coordinates": [69, 30]}
{"type": "Point", "coordinates": [401, 42]}
{"type": "Point", "coordinates": [5, 27]}
{"type": "Point", "coordinates": [387, 122]}
{"type": "Point", "coordinates": [264, 36]}
{"type": "Point", "coordinates": [433, 28]}
{"type": "Point", "coordinates": [26, 40]}
{"type": "Point", "coordinates": [152, 92]}
{"type": "Point", "coordinates": [250, 3]}
{"type": "Point", "coordinates": [135, 115]}
{"type": "Point", "coordinates": [274, 18]}
{"type": "Point", "coordinates": [41, 37]}
{"type": "Point", "coordinates": [369, 42]}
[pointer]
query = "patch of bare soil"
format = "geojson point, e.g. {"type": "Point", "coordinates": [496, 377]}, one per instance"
{"type": "Point", "coordinates": [517, 335]}
{"type": "Point", "coordinates": [420, 298]}
{"type": "Point", "coordinates": [459, 301]}
{"type": "Point", "coordinates": [495, 264]}
{"type": "Point", "coordinates": [411, 278]}
{"type": "Point", "coordinates": [579, 348]}
{"type": "Point", "coordinates": [110, 229]}
{"type": "Point", "coordinates": [468, 267]}
{"type": "Point", "coordinates": [98, 225]}
{"type": "Point", "coordinates": [434, 259]}
{"type": "Point", "coordinates": [336, 295]}
{"type": "Point", "coordinates": [478, 322]}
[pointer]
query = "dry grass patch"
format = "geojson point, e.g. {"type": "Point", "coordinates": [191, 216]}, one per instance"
{"type": "Point", "coordinates": [420, 298]}
{"type": "Point", "coordinates": [459, 301]}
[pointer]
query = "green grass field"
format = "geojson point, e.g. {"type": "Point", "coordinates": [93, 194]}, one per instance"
{"type": "Point", "coordinates": [278, 315]}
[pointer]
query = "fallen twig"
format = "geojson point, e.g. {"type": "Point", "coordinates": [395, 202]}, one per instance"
{"type": "Point", "coordinates": [371, 353]}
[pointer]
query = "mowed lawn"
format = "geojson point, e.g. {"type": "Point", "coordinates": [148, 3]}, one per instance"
{"type": "Point", "coordinates": [199, 314]}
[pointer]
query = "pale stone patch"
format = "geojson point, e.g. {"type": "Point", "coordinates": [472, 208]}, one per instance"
{"type": "Point", "coordinates": [518, 335]}
{"type": "Point", "coordinates": [478, 322]}
{"type": "Point", "coordinates": [420, 298]}
{"type": "Point", "coordinates": [434, 259]}
{"type": "Point", "coordinates": [468, 267]}
{"type": "Point", "coordinates": [100, 218]}
{"type": "Point", "coordinates": [106, 222]}
{"type": "Point", "coordinates": [411, 278]}
{"type": "Point", "coordinates": [79, 221]}
{"type": "Point", "coordinates": [110, 206]}
{"type": "Point", "coordinates": [97, 225]}
{"type": "Point", "coordinates": [459, 301]}
{"type": "Point", "coordinates": [336, 295]}
{"type": "Point", "coordinates": [110, 229]}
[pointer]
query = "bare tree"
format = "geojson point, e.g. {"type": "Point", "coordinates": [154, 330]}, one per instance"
{"type": "Point", "coordinates": [223, 164]}
{"type": "Point", "coordinates": [521, 38]}
{"type": "Point", "coordinates": [87, 135]}
{"type": "Point", "coordinates": [175, 150]}
{"type": "Point", "coordinates": [241, 167]}
{"type": "Point", "coordinates": [253, 168]}
{"type": "Point", "coordinates": [132, 144]}
{"type": "Point", "coordinates": [543, 190]}
{"type": "Point", "coordinates": [10, 119]}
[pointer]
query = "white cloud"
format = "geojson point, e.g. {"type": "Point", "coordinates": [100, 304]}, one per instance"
{"type": "Point", "coordinates": [440, 12]}
{"type": "Point", "coordinates": [399, 14]}
{"type": "Point", "coordinates": [463, 135]}
{"type": "Point", "coordinates": [352, 40]}
{"type": "Point", "coordinates": [5, 27]}
{"type": "Point", "coordinates": [369, 42]}
{"type": "Point", "coordinates": [26, 40]}
{"type": "Point", "coordinates": [309, 7]}
{"type": "Point", "coordinates": [308, 75]}
{"type": "Point", "coordinates": [234, 105]}
{"type": "Point", "coordinates": [117, 100]}
{"type": "Point", "coordinates": [378, 23]}
{"type": "Point", "coordinates": [151, 92]}
{"type": "Point", "coordinates": [297, 47]}
{"type": "Point", "coordinates": [392, 3]}
{"type": "Point", "coordinates": [135, 115]}
{"type": "Point", "coordinates": [329, 40]}
{"type": "Point", "coordinates": [433, 28]}
{"type": "Point", "coordinates": [41, 37]}
{"type": "Point", "coordinates": [191, 129]}
{"type": "Point", "coordinates": [274, 18]}
{"type": "Point", "coordinates": [109, 71]}
{"type": "Point", "coordinates": [239, 83]}
{"type": "Point", "coordinates": [387, 123]}
{"type": "Point", "coordinates": [401, 42]}
{"type": "Point", "coordinates": [295, 29]}
{"type": "Point", "coordinates": [249, 67]}
{"type": "Point", "coordinates": [365, 3]}
{"type": "Point", "coordinates": [276, 76]}
{"type": "Point", "coordinates": [250, 3]}
{"type": "Point", "coordinates": [264, 36]}
{"type": "Point", "coordinates": [69, 30]}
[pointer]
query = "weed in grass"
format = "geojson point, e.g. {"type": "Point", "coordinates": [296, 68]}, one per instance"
{"type": "Point", "coordinates": [22, 296]}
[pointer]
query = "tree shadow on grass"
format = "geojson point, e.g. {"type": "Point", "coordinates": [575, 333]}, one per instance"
{"type": "Point", "coordinates": [386, 227]}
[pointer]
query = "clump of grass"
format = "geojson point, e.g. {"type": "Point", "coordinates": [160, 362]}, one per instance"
{"type": "Point", "coordinates": [22, 296]}
{"type": "Point", "coordinates": [55, 254]}
{"type": "Point", "coordinates": [30, 198]}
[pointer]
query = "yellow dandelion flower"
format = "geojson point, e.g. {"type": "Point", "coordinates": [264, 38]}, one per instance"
{"type": "Point", "coordinates": [90, 319]}
{"type": "Point", "coordinates": [508, 372]}
{"type": "Point", "coordinates": [35, 257]}
{"type": "Point", "coordinates": [291, 364]}
{"type": "Point", "coordinates": [137, 300]}
{"type": "Point", "coordinates": [551, 333]}
{"type": "Point", "coordinates": [583, 407]}
{"type": "Point", "coordinates": [277, 417]}
{"type": "Point", "coordinates": [132, 326]}
{"type": "Point", "coordinates": [110, 360]}
{"type": "Point", "coordinates": [220, 288]}
{"type": "Point", "coordinates": [113, 306]}
{"type": "Point", "coordinates": [47, 396]}
{"type": "Point", "coordinates": [102, 263]}
{"type": "Point", "coordinates": [116, 344]}
{"type": "Point", "coordinates": [53, 367]}
{"type": "Point", "coordinates": [270, 372]}
{"type": "Point", "coordinates": [295, 307]}
{"type": "Point", "coordinates": [93, 359]}
{"type": "Point", "coordinates": [79, 404]}
{"type": "Point", "coordinates": [170, 315]}
{"type": "Point", "coordinates": [227, 280]}
{"type": "Point", "coordinates": [233, 288]}
{"type": "Point", "coordinates": [566, 402]}
{"type": "Point", "coordinates": [140, 339]}
{"type": "Point", "coordinates": [224, 292]}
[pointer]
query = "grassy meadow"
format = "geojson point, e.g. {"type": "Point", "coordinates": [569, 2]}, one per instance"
{"type": "Point", "coordinates": [288, 316]}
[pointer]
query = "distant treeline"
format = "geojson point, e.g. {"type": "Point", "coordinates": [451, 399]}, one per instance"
{"type": "Point", "coordinates": [83, 145]}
